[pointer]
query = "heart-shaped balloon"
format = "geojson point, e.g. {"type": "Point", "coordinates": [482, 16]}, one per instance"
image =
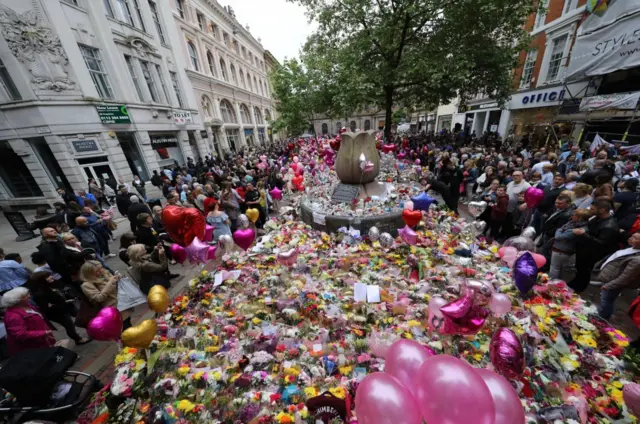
{"type": "Point", "coordinates": [183, 224]}
{"type": "Point", "coordinates": [208, 233]}
{"type": "Point", "coordinates": [141, 335]}
{"type": "Point", "coordinates": [335, 144]}
{"type": "Point", "coordinates": [507, 355]}
{"type": "Point", "coordinates": [631, 396]}
{"type": "Point", "coordinates": [477, 208]}
{"type": "Point", "coordinates": [244, 237]}
{"type": "Point", "coordinates": [479, 226]}
{"type": "Point", "coordinates": [253, 214]}
{"type": "Point", "coordinates": [408, 235]}
{"type": "Point", "coordinates": [107, 325]}
{"type": "Point", "coordinates": [411, 218]}
{"type": "Point", "coordinates": [388, 148]}
{"type": "Point", "coordinates": [178, 253]}
{"type": "Point", "coordinates": [288, 258]}
{"type": "Point", "coordinates": [276, 193]}
{"type": "Point", "coordinates": [211, 253]}
{"type": "Point", "coordinates": [533, 196]}
{"type": "Point", "coordinates": [297, 181]}
{"type": "Point", "coordinates": [158, 299]}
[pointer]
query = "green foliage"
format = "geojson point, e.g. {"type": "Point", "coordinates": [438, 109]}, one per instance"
{"type": "Point", "coordinates": [292, 91]}
{"type": "Point", "coordinates": [410, 52]}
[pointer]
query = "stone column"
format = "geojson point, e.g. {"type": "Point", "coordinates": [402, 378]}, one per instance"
{"type": "Point", "coordinates": [183, 142]}
{"type": "Point", "coordinates": [64, 155]}
{"type": "Point", "coordinates": [243, 140]}
{"type": "Point", "coordinates": [146, 150]}
{"type": "Point", "coordinates": [117, 160]}
{"type": "Point", "coordinates": [201, 144]}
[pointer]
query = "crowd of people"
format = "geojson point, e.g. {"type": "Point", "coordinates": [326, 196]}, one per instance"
{"type": "Point", "coordinates": [586, 223]}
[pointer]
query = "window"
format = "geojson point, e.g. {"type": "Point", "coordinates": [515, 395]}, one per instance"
{"type": "Point", "coordinates": [267, 115]}
{"type": "Point", "coordinates": [108, 8]}
{"type": "Point", "coordinates": [180, 7]}
{"type": "Point", "coordinates": [255, 83]}
{"type": "Point", "coordinates": [258, 116]}
{"type": "Point", "coordinates": [249, 82]}
{"type": "Point", "coordinates": [325, 129]}
{"type": "Point", "coordinates": [151, 84]}
{"type": "Point", "coordinates": [193, 55]}
{"type": "Point", "coordinates": [134, 77]}
{"type": "Point", "coordinates": [212, 64]}
{"type": "Point", "coordinates": [125, 11]}
{"type": "Point", "coordinates": [96, 69]}
{"type": "Point", "coordinates": [223, 69]}
{"type": "Point", "coordinates": [201, 21]}
{"type": "Point", "coordinates": [73, 2]}
{"type": "Point", "coordinates": [352, 126]}
{"type": "Point", "coordinates": [7, 83]}
{"type": "Point", "coordinates": [225, 38]}
{"type": "Point", "coordinates": [236, 47]}
{"type": "Point", "coordinates": [233, 138]}
{"type": "Point", "coordinates": [242, 79]}
{"type": "Point", "coordinates": [244, 52]}
{"type": "Point", "coordinates": [214, 30]}
{"type": "Point", "coordinates": [164, 86]}
{"type": "Point", "coordinates": [136, 5]}
{"type": "Point", "coordinates": [206, 107]}
{"type": "Point", "coordinates": [234, 78]}
{"type": "Point", "coordinates": [338, 126]}
{"type": "Point", "coordinates": [156, 21]}
{"type": "Point", "coordinates": [542, 14]}
{"type": "Point", "coordinates": [244, 114]}
{"type": "Point", "coordinates": [555, 61]}
{"type": "Point", "coordinates": [367, 125]}
{"type": "Point", "coordinates": [176, 87]}
{"type": "Point", "coordinates": [228, 115]}
{"type": "Point", "coordinates": [251, 57]}
{"type": "Point", "coordinates": [569, 5]}
{"type": "Point", "coordinates": [527, 70]}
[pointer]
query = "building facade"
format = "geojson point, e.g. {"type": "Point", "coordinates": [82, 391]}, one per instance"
{"type": "Point", "coordinates": [226, 67]}
{"type": "Point", "coordinates": [372, 118]}
{"type": "Point", "coordinates": [89, 89]}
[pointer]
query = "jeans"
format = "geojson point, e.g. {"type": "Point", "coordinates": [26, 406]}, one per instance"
{"type": "Point", "coordinates": [563, 266]}
{"type": "Point", "coordinates": [607, 299]}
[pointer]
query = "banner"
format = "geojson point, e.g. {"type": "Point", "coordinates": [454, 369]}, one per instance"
{"type": "Point", "coordinates": [609, 49]}
{"type": "Point", "coordinates": [606, 13]}
{"type": "Point", "coordinates": [610, 101]}
{"type": "Point", "coordinates": [597, 143]}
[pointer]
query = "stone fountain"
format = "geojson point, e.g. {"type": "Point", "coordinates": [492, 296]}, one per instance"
{"type": "Point", "coordinates": [357, 166]}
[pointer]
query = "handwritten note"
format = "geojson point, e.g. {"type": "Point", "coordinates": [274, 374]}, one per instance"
{"type": "Point", "coordinates": [359, 292]}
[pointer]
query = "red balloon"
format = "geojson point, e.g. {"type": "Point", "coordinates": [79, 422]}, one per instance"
{"type": "Point", "coordinates": [388, 148]}
{"type": "Point", "coordinates": [183, 224]}
{"type": "Point", "coordinates": [533, 196]}
{"type": "Point", "coordinates": [539, 259]}
{"type": "Point", "coordinates": [411, 218]}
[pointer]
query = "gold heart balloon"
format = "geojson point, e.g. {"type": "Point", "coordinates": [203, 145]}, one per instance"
{"type": "Point", "coordinates": [253, 214]}
{"type": "Point", "coordinates": [158, 299]}
{"type": "Point", "coordinates": [141, 335]}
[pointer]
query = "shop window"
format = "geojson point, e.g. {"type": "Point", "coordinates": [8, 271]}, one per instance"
{"type": "Point", "coordinates": [233, 138]}
{"type": "Point", "coordinates": [15, 175]}
{"type": "Point", "coordinates": [49, 162]}
{"type": "Point", "coordinates": [555, 60]}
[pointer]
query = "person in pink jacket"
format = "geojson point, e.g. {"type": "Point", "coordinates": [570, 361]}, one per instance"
{"type": "Point", "coordinates": [25, 325]}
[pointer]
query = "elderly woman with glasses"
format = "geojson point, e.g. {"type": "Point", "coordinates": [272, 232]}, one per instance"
{"type": "Point", "coordinates": [26, 327]}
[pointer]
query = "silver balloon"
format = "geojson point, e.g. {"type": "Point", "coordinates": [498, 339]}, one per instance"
{"type": "Point", "coordinates": [374, 233]}
{"type": "Point", "coordinates": [479, 226]}
{"type": "Point", "coordinates": [476, 208]}
{"type": "Point", "coordinates": [243, 220]}
{"type": "Point", "coordinates": [520, 243]}
{"type": "Point", "coordinates": [529, 232]}
{"type": "Point", "coordinates": [225, 242]}
{"type": "Point", "coordinates": [386, 240]}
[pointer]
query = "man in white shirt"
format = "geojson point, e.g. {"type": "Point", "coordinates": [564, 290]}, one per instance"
{"type": "Point", "coordinates": [515, 187]}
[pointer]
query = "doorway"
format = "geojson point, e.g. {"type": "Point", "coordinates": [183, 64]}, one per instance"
{"type": "Point", "coordinates": [97, 168]}
{"type": "Point", "coordinates": [132, 153]}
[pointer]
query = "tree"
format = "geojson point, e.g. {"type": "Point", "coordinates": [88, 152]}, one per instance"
{"type": "Point", "coordinates": [411, 52]}
{"type": "Point", "coordinates": [292, 91]}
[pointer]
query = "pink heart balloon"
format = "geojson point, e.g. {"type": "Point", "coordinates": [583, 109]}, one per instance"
{"type": "Point", "coordinates": [211, 253]}
{"type": "Point", "coordinates": [408, 235]}
{"type": "Point", "coordinates": [178, 253]}
{"type": "Point", "coordinates": [208, 233]}
{"type": "Point", "coordinates": [288, 258]}
{"type": "Point", "coordinates": [404, 359]}
{"type": "Point", "coordinates": [244, 237]}
{"type": "Point", "coordinates": [107, 325]}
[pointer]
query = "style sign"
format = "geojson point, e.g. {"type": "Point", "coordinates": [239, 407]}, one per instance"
{"type": "Point", "coordinates": [113, 114]}
{"type": "Point", "coordinates": [85, 146]}
{"type": "Point", "coordinates": [181, 117]}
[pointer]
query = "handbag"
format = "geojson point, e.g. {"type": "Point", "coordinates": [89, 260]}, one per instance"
{"type": "Point", "coordinates": [86, 313]}
{"type": "Point", "coordinates": [129, 295]}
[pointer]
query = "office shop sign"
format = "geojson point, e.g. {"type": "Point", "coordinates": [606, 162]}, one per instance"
{"type": "Point", "coordinates": [539, 98]}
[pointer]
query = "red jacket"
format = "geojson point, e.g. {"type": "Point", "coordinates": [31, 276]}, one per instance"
{"type": "Point", "coordinates": [26, 329]}
{"type": "Point", "coordinates": [499, 211]}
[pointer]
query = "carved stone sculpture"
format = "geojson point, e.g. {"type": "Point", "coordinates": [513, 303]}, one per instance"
{"type": "Point", "coordinates": [38, 48]}
{"type": "Point", "coordinates": [358, 161]}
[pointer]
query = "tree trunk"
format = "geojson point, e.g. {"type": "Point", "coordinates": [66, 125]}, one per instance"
{"type": "Point", "coordinates": [388, 112]}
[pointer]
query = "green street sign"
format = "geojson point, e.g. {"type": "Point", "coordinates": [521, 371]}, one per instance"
{"type": "Point", "coordinates": [113, 114]}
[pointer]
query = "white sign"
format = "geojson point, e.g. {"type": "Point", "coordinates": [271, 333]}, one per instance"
{"type": "Point", "coordinates": [319, 218]}
{"type": "Point", "coordinates": [608, 48]}
{"type": "Point", "coordinates": [181, 117]}
{"type": "Point", "coordinates": [609, 14]}
{"type": "Point", "coordinates": [610, 101]}
{"type": "Point", "coordinates": [493, 128]}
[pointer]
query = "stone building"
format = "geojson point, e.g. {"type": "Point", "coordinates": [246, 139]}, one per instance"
{"type": "Point", "coordinates": [226, 67]}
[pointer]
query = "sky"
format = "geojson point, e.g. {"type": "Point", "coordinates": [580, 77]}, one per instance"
{"type": "Point", "coordinates": [281, 25]}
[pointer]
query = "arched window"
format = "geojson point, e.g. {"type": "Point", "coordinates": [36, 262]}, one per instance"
{"type": "Point", "coordinates": [338, 127]}
{"type": "Point", "coordinates": [245, 116]}
{"type": "Point", "coordinates": [206, 107]}
{"type": "Point", "coordinates": [212, 63]}
{"type": "Point", "coordinates": [352, 126]}
{"type": "Point", "coordinates": [258, 116]}
{"type": "Point", "coordinates": [234, 78]}
{"type": "Point", "coordinates": [223, 69]}
{"type": "Point", "coordinates": [242, 79]}
{"type": "Point", "coordinates": [267, 115]}
{"type": "Point", "coordinates": [367, 125]}
{"type": "Point", "coordinates": [249, 82]}
{"type": "Point", "coordinates": [325, 129]}
{"type": "Point", "coordinates": [193, 55]}
{"type": "Point", "coordinates": [266, 89]}
{"type": "Point", "coordinates": [228, 115]}
{"type": "Point", "coordinates": [255, 83]}
{"type": "Point", "coordinates": [261, 88]}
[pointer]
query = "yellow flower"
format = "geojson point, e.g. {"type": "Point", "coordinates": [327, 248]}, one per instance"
{"type": "Point", "coordinates": [569, 362]}
{"type": "Point", "coordinates": [256, 321]}
{"type": "Point", "coordinates": [205, 302]}
{"type": "Point", "coordinates": [618, 385]}
{"type": "Point", "coordinates": [198, 375]}
{"type": "Point", "coordinates": [204, 274]}
{"type": "Point", "coordinates": [304, 414]}
{"type": "Point", "coordinates": [408, 335]}
{"type": "Point", "coordinates": [616, 395]}
{"type": "Point", "coordinates": [414, 323]}
{"type": "Point", "coordinates": [478, 357]}
{"type": "Point", "coordinates": [186, 406]}
{"type": "Point", "coordinates": [586, 341]}
{"type": "Point", "coordinates": [346, 370]}
{"type": "Point", "coordinates": [284, 418]}
{"type": "Point", "coordinates": [139, 364]}
{"type": "Point", "coordinates": [183, 370]}
{"type": "Point", "coordinates": [310, 392]}
{"type": "Point", "coordinates": [217, 376]}
{"type": "Point", "coordinates": [212, 349]}
{"type": "Point", "coordinates": [291, 371]}
{"type": "Point", "coordinates": [338, 392]}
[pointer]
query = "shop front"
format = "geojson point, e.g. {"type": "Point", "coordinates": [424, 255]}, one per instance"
{"type": "Point", "coordinates": [249, 136]}
{"type": "Point", "coordinates": [484, 117]}
{"type": "Point", "coordinates": [167, 148]}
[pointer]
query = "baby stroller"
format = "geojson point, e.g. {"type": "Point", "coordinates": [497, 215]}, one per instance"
{"type": "Point", "coordinates": [37, 384]}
